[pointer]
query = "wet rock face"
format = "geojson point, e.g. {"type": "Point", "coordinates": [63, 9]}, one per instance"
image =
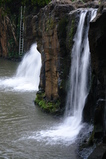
{"type": "Point", "coordinates": [3, 36]}
{"type": "Point", "coordinates": [98, 46]}
{"type": "Point", "coordinates": [8, 41]}
{"type": "Point", "coordinates": [28, 34]}
{"type": "Point", "coordinates": [54, 29]}
{"type": "Point", "coordinates": [97, 96]}
{"type": "Point", "coordinates": [50, 30]}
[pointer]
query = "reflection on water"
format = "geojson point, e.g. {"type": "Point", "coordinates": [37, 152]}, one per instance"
{"type": "Point", "coordinates": [20, 120]}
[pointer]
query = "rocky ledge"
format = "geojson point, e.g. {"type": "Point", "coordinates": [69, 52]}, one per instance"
{"type": "Point", "coordinates": [54, 28]}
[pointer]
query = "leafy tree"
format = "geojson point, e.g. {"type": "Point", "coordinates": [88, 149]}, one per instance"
{"type": "Point", "coordinates": [12, 6]}
{"type": "Point", "coordinates": [40, 3]}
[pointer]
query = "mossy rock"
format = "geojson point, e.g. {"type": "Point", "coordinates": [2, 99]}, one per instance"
{"type": "Point", "coordinates": [50, 24]}
{"type": "Point", "coordinates": [52, 107]}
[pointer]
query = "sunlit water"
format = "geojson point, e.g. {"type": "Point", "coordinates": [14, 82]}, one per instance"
{"type": "Point", "coordinates": [22, 124]}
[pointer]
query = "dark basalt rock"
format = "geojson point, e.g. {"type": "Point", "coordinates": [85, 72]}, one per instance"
{"type": "Point", "coordinates": [97, 38]}
{"type": "Point", "coordinates": [95, 108]}
{"type": "Point", "coordinates": [99, 152]}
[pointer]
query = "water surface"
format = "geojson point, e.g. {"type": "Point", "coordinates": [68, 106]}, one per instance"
{"type": "Point", "coordinates": [21, 120]}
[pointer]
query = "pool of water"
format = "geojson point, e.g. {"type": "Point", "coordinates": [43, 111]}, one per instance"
{"type": "Point", "coordinates": [22, 124]}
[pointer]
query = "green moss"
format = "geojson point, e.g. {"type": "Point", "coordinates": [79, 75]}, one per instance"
{"type": "Point", "coordinates": [50, 107]}
{"type": "Point", "coordinates": [50, 24]}
{"type": "Point", "coordinates": [63, 83]}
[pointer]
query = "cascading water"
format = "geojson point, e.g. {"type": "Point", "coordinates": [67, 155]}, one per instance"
{"type": "Point", "coordinates": [21, 122]}
{"type": "Point", "coordinates": [27, 74]}
{"type": "Point", "coordinates": [67, 131]}
{"type": "Point", "coordinates": [80, 59]}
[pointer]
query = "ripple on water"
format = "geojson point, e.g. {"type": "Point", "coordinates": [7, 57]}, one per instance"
{"type": "Point", "coordinates": [21, 124]}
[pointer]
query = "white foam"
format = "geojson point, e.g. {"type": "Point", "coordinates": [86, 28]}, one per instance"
{"type": "Point", "coordinates": [27, 75]}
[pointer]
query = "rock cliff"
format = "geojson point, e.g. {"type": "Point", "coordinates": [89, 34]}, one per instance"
{"type": "Point", "coordinates": [54, 34]}
{"type": "Point", "coordinates": [96, 102]}
{"type": "Point", "coordinates": [95, 108]}
{"type": "Point", "coordinates": [50, 30]}
{"type": "Point", "coordinates": [8, 40]}
{"type": "Point", "coordinates": [54, 28]}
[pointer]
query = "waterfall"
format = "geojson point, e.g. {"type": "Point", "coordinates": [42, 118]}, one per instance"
{"type": "Point", "coordinates": [68, 130]}
{"type": "Point", "coordinates": [27, 75]}
{"type": "Point", "coordinates": [80, 62]}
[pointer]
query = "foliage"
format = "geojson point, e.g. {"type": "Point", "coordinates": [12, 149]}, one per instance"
{"type": "Point", "coordinates": [12, 9]}
{"type": "Point", "coordinates": [49, 24]}
{"type": "Point", "coordinates": [52, 107]}
{"type": "Point", "coordinates": [35, 2]}
{"type": "Point", "coordinates": [11, 3]}
{"type": "Point", "coordinates": [11, 49]}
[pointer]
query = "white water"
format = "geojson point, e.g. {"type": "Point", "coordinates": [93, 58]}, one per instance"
{"type": "Point", "coordinates": [27, 79]}
{"type": "Point", "coordinates": [66, 132]}
{"type": "Point", "coordinates": [27, 74]}
{"type": "Point", "coordinates": [80, 62]}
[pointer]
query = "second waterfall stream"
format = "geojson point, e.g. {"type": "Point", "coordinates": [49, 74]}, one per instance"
{"type": "Point", "coordinates": [27, 79]}
{"type": "Point", "coordinates": [27, 75]}
{"type": "Point", "coordinates": [67, 131]}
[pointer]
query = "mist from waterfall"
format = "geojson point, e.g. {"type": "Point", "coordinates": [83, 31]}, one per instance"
{"type": "Point", "coordinates": [27, 75]}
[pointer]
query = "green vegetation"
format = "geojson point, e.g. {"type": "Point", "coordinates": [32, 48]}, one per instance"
{"type": "Point", "coordinates": [52, 107]}
{"type": "Point", "coordinates": [24, 2]}
{"type": "Point", "coordinates": [35, 2]}
{"type": "Point", "coordinates": [12, 9]}
{"type": "Point", "coordinates": [11, 52]}
{"type": "Point", "coordinates": [50, 24]}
